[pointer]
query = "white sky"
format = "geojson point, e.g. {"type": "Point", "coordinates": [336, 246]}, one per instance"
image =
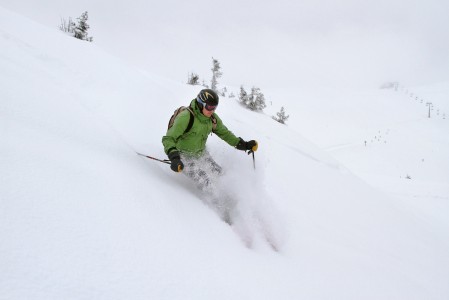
{"type": "Point", "coordinates": [269, 44]}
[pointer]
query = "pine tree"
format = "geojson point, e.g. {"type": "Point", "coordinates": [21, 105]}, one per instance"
{"type": "Point", "coordinates": [243, 96]}
{"type": "Point", "coordinates": [259, 100]}
{"type": "Point", "coordinates": [254, 101]}
{"type": "Point", "coordinates": [281, 117]}
{"type": "Point", "coordinates": [81, 28]}
{"type": "Point", "coordinates": [216, 73]}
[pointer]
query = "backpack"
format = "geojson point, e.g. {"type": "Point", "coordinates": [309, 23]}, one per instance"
{"type": "Point", "coordinates": [192, 118]}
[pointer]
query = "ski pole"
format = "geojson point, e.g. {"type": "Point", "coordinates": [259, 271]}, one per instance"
{"type": "Point", "coordinates": [165, 161]}
{"type": "Point", "coordinates": [254, 160]}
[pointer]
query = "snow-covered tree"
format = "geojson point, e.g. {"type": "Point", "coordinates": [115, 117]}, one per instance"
{"type": "Point", "coordinates": [82, 27]}
{"type": "Point", "coordinates": [79, 30]}
{"type": "Point", "coordinates": [193, 79]}
{"type": "Point", "coordinates": [216, 73]}
{"type": "Point", "coordinates": [243, 96]}
{"type": "Point", "coordinates": [281, 116]}
{"type": "Point", "coordinates": [254, 101]}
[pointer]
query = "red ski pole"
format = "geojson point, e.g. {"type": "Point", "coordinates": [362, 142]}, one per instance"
{"type": "Point", "coordinates": [165, 161]}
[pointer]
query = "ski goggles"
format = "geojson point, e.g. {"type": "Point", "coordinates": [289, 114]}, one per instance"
{"type": "Point", "coordinates": [208, 107]}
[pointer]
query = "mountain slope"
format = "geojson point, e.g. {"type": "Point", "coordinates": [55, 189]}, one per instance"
{"type": "Point", "coordinates": [82, 216]}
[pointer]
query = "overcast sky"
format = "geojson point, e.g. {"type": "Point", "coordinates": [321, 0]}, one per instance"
{"type": "Point", "coordinates": [268, 43]}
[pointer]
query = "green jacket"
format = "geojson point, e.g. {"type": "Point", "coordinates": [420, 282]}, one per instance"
{"type": "Point", "coordinates": [193, 142]}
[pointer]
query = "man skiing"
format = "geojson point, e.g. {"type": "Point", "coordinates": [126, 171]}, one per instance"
{"type": "Point", "coordinates": [185, 142]}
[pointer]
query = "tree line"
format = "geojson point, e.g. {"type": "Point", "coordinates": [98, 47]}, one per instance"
{"type": "Point", "coordinates": [253, 100]}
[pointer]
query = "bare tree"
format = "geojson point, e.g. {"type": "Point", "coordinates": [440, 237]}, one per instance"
{"type": "Point", "coordinates": [193, 79]}
{"type": "Point", "coordinates": [67, 26]}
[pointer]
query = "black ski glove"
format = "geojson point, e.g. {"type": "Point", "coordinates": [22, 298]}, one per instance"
{"type": "Point", "coordinates": [176, 163]}
{"type": "Point", "coordinates": [251, 145]}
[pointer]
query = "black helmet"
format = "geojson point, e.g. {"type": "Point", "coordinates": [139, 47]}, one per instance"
{"type": "Point", "coordinates": [207, 96]}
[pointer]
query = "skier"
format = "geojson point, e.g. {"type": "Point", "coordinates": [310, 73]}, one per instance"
{"type": "Point", "coordinates": [185, 142]}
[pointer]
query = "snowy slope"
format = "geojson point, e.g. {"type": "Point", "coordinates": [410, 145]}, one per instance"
{"type": "Point", "coordinates": [82, 216]}
{"type": "Point", "coordinates": [385, 137]}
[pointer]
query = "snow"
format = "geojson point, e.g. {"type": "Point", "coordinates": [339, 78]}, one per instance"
{"type": "Point", "coordinates": [83, 217]}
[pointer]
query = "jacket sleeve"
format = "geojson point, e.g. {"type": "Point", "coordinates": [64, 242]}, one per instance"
{"type": "Point", "coordinates": [176, 131]}
{"type": "Point", "coordinates": [225, 134]}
